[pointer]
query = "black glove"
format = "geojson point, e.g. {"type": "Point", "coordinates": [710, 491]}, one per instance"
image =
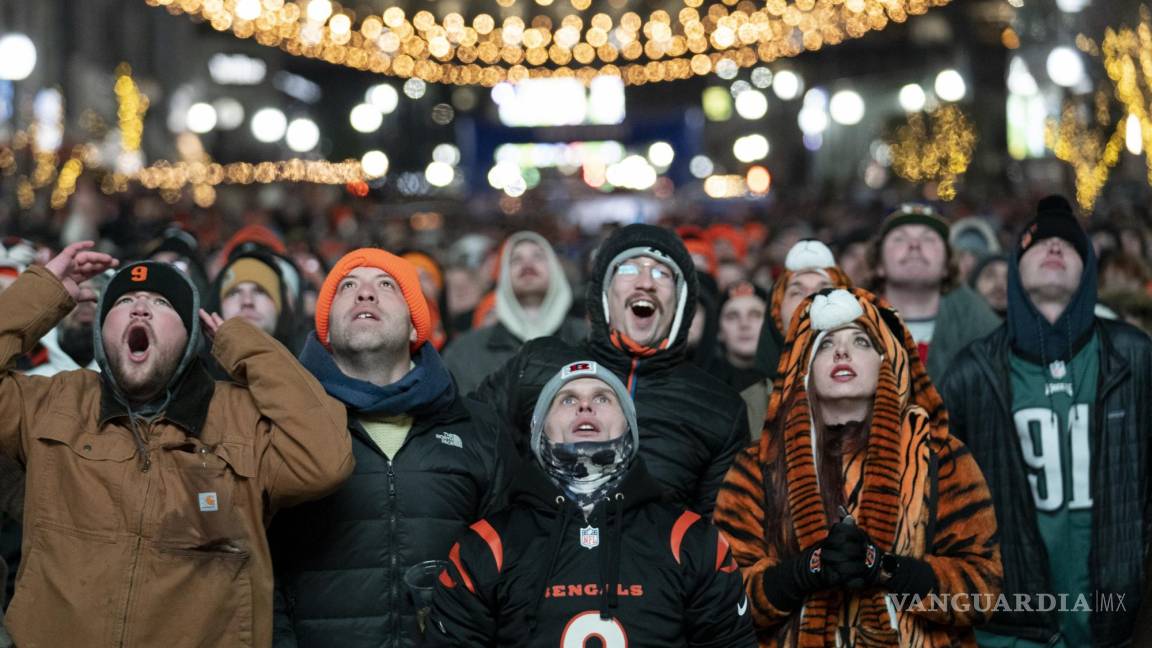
{"type": "Point", "coordinates": [906, 575]}
{"type": "Point", "coordinates": [787, 584]}
{"type": "Point", "coordinates": [850, 557]}
{"type": "Point", "coordinates": [854, 562]}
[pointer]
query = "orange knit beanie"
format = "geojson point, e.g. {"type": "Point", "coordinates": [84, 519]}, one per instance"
{"type": "Point", "coordinates": [402, 271]}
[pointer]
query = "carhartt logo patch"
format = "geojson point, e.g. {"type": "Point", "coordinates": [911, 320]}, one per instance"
{"type": "Point", "coordinates": [208, 501]}
{"type": "Point", "coordinates": [590, 537]}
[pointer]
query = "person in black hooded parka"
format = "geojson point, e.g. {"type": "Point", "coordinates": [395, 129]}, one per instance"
{"type": "Point", "coordinates": [691, 424]}
{"type": "Point", "coordinates": [1054, 405]}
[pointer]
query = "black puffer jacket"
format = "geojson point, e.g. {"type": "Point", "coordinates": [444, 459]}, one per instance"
{"type": "Point", "coordinates": [691, 424]}
{"type": "Point", "coordinates": [340, 561]}
{"type": "Point", "coordinates": [637, 572]}
{"type": "Point", "coordinates": [977, 393]}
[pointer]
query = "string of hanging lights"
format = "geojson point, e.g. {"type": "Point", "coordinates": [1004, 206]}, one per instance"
{"type": "Point", "coordinates": [1091, 141]}
{"type": "Point", "coordinates": [483, 50]}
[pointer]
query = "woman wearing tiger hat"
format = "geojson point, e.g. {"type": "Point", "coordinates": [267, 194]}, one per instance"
{"type": "Point", "coordinates": [858, 520]}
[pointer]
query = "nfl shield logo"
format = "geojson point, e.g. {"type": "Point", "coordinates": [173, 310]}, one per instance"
{"type": "Point", "coordinates": [1058, 369]}
{"type": "Point", "coordinates": [589, 537]}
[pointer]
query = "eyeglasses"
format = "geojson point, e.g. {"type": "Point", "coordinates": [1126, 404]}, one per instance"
{"type": "Point", "coordinates": [630, 271]}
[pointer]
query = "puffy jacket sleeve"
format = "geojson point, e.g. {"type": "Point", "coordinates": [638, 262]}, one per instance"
{"type": "Point", "coordinates": [464, 608]}
{"type": "Point", "coordinates": [965, 554]}
{"type": "Point", "coordinates": [499, 460]}
{"type": "Point", "coordinates": [500, 390]}
{"type": "Point", "coordinates": [736, 439]}
{"type": "Point", "coordinates": [716, 609]}
{"type": "Point", "coordinates": [283, 631]}
{"type": "Point", "coordinates": [740, 517]}
{"type": "Point", "coordinates": [29, 308]}
{"type": "Point", "coordinates": [307, 452]}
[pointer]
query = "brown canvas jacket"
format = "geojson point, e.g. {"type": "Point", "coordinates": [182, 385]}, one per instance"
{"type": "Point", "coordinates": [175, 554]}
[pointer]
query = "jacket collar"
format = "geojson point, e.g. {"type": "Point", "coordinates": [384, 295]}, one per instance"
{"type": "Point", "coordinates": [1114, 367]}
{"type": "Point", "coordinates": [993, 356]}
{"type": "Point", "coordinates": [454, 412]}
{"type": "Point", "coordinates": [187, 408]}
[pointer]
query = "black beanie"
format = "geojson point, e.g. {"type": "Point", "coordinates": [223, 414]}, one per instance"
{"type": "Point", "coordinates": [153, 276]}
{"type": "Point", "coordinates": [1054, 219]}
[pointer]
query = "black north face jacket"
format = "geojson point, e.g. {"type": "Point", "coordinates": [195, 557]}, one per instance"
{"type": "Point", "coordinates": [637, 572]}
{"type": "Point", "coordinates": [340, 561]}
{"type": "Point", "coordinates": [691, 423]}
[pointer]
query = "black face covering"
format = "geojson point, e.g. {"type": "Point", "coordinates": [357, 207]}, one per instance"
{"type": "Point", "coordinates": [589, 469]}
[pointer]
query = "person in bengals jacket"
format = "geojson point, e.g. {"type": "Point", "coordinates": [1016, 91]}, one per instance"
{"type": "Point", "coordinates": [857, 505]}
{"type": "Point", "coordinates": [640, 302]}
{"type": "Point", "coordinates": [587, 548]}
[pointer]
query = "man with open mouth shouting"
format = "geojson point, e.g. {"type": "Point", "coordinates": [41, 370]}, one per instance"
{"type": "Point", "coordinates": [639, 304]}
{"type": "Point", "coordinates": [149, 484]}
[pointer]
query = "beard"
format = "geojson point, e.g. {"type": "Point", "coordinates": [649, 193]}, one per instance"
{"type": "Point", "coordinates": [143, 382]}
{"type": "Point", "coordinates": [390, 335]}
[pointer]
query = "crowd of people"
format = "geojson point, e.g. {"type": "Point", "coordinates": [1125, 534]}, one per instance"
{"type": "Point", "coordinates": [903, 431]}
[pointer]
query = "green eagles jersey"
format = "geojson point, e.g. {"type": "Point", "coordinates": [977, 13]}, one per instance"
{"type": "Point", "coordinates": [1052, 407]}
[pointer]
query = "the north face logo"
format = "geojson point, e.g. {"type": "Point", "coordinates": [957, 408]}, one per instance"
{"type": "Point", "coordinates": [448, 438]}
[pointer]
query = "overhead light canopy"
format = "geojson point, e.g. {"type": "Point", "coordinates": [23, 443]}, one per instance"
{"type": "Point", "coordinates": [546, 38]}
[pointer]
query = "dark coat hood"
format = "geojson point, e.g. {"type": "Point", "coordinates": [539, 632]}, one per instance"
{"type": "Point", "coordinates": [189, 363]}
{"type": "Point", "coordinates": [641, 237]}
{"type": "Point", "coordinates": [1033, 336]}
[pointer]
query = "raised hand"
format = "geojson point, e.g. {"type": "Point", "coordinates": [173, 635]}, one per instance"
{"type": "Point", "coordinates": [77, 263]}
{"type": "Point", "coordinates": [212, 322]}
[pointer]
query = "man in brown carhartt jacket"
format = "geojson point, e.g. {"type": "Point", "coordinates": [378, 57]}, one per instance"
{"type": "Point", "coordinates": [149, 485]}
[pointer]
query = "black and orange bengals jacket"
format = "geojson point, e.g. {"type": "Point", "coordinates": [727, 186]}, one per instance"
{"type": "Point", "coordinates": [637, 572]}
{"type": "Point", "coordinates": [692, 424]}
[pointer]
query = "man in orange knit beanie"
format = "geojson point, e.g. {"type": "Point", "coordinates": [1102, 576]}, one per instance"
{"type": "Point", "coordinates": [428, 463]}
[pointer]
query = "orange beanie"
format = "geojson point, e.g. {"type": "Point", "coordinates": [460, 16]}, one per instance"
{"type": "Point", "coordinates": [703, 248]}
{"type": "Point", "coordinates": [483, 308]}
{"type": "Point", "coordinates": [402, 271]}
{"type": "Point", "coordinates": [427, 264]}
